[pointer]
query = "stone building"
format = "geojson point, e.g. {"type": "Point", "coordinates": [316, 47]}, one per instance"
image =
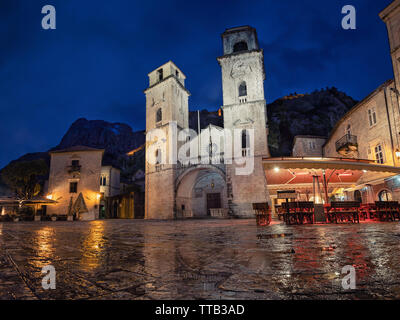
{"type": "Point", "coordinates": [110, 186]}
{"type": "Point", "coordinates": [110, 181]}
{"type": "Point", "coordinates": [371, 129]}
{"type": "Point", "coordinates": [74, 182]}
{"type": "Point", "coordinates": [391, 16]}
{"type": "Point", "coordinates": [369, 132]}
{"type": "Point", "coordinates": [129, 204]}
{"type": "Point", "coordinates": [308, 146]}
{"type": "Point", "coordinates": [205, 185]}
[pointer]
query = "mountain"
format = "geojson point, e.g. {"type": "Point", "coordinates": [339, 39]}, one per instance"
{"type": "Point", "coordinates": [206, 118]}
{"type": "Point", "coordinates": [115, 138]}
{"type": "Point", "coordinates": [304, 114]}
{"type": "Point", "coordinates": [297, 114]}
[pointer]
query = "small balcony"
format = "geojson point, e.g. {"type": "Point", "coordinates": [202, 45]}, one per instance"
{"type": "Point", "coordinates": [347, 144]}
{"type": "Point", "coordinates": [74, 169]}
{"type": "Point", "coordinates": [246, 152]}
{"type": "Point", "coordinates": [243, 99]}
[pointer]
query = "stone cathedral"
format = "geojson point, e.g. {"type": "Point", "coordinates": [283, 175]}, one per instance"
{"type": "Point", "coordinates": [206, 187]}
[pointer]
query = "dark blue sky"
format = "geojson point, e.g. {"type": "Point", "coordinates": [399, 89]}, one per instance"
{"type": "Point", "coordinates": [95, 64]}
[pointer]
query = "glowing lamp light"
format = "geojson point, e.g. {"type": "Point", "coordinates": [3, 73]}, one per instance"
{"type": "Point", "coordinates": [276, 169]}
{"type": "Point", "coordinates": [302, 173]}
{"type": "Point", "coordinates": [50, 197]}
{"type": "Point", "coordinates": [98, 196]}
{"type": "Point", "coordinates": [397, 152]}
{"type": "Point", "coordinates": [365, 171]}
{"type": "Point", "coordinates": [345, 174]}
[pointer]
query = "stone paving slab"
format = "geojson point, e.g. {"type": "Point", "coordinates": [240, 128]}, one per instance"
{"type": "Point", "coordinates": [198, 259]}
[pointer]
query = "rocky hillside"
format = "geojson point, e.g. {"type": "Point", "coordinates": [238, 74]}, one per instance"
{"type": "Point", "coordinates": [116, 138]}
{"type": "Point", "coordinates": [206, 118]}
{"type": "Point", "coordinates": [304, 114]}
{"type": "Point", "coordinates": [296, 114]}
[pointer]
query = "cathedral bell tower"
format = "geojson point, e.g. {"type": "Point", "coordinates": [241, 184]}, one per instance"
{"type": "Point", "coordinates": [167, 112]}
{"type": "Point", "coordinates": [244, 107]}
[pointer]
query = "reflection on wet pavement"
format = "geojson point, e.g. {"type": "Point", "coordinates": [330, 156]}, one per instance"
{"type": "Point", "coordinates": [198, 259]}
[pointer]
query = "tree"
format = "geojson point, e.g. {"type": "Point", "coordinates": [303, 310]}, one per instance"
{"type": "Point", "coordinates": [25, 178]}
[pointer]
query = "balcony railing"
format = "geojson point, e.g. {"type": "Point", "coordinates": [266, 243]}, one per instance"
{"type": "Point", "coordinates": [347, 144]}
{"type": "Point", "coordinates": [243, 99]}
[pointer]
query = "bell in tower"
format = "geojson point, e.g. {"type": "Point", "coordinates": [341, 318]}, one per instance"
{"type": "Point", "coordinates": [239, 39]}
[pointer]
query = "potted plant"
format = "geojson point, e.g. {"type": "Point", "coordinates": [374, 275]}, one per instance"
{"type": "Point", "coordinates": [54, 217]}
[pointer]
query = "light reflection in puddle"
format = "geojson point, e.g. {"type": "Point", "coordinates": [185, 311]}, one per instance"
{"type": "Point", "coordinates": [93, 246]}
{"type": "Point", "coordinates": [44, 246]}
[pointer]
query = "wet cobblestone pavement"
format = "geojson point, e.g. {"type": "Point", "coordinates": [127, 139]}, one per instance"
{"type": "Point", "coordinates": [198, 259]}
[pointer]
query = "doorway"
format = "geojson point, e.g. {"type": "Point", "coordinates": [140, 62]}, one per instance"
{"type": "Point", "coordinates": [357, 196]}
{"type": "Point", "coordinates": [213, 202]}
{"type": "Point", "coordinates": [385, 195]}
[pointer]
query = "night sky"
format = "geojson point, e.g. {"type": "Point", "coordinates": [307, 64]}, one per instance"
{"type": "Point", "coordinates": [95, 64]}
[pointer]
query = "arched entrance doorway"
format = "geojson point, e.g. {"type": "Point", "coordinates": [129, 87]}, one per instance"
{"type": "Point", "coordinates": [200, 189]}
{"type": "Point", "coordinates": [357, 196]}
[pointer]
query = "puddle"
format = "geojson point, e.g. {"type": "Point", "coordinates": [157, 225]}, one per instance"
{"type": "Point", "coordinates": [274, 236]}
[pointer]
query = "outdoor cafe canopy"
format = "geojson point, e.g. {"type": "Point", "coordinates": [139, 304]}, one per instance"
{"type": "Point", "coordinates": [327, 163]}
{"type": "Point", "coordinates": [291, 172]}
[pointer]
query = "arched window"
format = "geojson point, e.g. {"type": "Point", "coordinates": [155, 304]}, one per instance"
{"type": "Point", "coordinates": [385, 195]}
{"type": "Point", "coordinates": [243, 89]}
{"type": "Point", "coordinates": [159, 115]}
{"type": "Point", "coordinates": [357, 196]}
{"type": "Point", "coordinates": [240, 46]}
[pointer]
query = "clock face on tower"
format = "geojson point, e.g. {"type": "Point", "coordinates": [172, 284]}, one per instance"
{"type": "Point", "coordinates": [239, 69]}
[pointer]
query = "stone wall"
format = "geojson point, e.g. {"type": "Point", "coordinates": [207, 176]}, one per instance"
{"type": "Point", "coordinates": [305, 146]}
{"type": "Point", "coordinates": [384, 132]}
{"type": "Point", "coordinates": [370, 135]}
{"type": "Point", "coordinates": [391, 16]}
{"type": "Point", "coordinates": [112, 175]}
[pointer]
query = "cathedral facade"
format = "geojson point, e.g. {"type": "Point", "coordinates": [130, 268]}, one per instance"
{"type": "Point", "coordinates": [216, 171]}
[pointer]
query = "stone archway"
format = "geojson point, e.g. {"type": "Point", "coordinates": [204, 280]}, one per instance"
{"type": "Point", "coordinates": [199, 189]}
